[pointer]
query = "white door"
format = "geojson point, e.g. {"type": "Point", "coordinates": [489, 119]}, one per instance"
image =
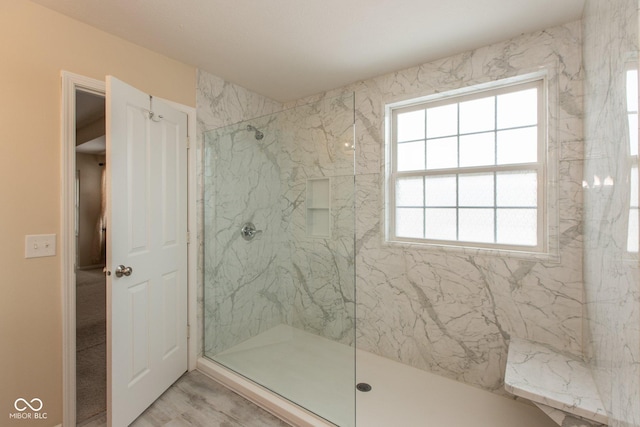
{"type": "Point", "coordinates": [146, 233]}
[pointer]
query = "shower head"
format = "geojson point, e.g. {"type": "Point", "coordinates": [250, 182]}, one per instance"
{"type": "Point", "coordinates": [258, 135]}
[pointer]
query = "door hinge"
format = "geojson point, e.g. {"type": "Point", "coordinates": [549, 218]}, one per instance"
{"type": "Point", "coordinates": [188, 331]}
{"type": "Point", "coordinates": [188, 142]}
{"type": "Point", "coordinates": [188, 237]}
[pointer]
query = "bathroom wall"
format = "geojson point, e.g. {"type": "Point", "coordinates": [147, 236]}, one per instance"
{"type": "Point", "coordinates": [220, 103]}
{"type": "Point", "coordinates": [611, 272]}
{"type": "Point", "coordinates": [452, 311]}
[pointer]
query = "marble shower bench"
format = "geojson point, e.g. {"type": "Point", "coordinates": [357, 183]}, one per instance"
{"type": "Point", "coordinates": [560, 385]}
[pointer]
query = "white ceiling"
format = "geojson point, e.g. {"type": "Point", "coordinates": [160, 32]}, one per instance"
{"type": "Point", "coordinates": [288, 49]}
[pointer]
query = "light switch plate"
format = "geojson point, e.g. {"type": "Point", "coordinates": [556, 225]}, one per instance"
{"type": "Point", "coordinates": [39, 245]}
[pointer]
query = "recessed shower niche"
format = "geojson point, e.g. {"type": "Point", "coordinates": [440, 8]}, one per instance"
{"type": "Point", "coordinates": [319, 207]}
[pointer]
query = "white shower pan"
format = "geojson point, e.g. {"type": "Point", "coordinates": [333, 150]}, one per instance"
{"type": "Point", "coordinates": [401, 395]}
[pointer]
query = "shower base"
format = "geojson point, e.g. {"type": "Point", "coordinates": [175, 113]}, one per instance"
{"type": "Point", "coordinates": [400, 395]}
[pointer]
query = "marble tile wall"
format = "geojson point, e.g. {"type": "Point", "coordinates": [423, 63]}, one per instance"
{"type": "Point", "coordinates": [318, 143]}
{"type": "Point", "coordinates": [284, 275]}
{"type": "Point", "coordinates": [453, 311]}
{"type": "Point", "coordinates": [243, 287]}
{"type": "Point", "coordinates": [220, 103]}
{"type": "Point", "coordinates": [611, 274]}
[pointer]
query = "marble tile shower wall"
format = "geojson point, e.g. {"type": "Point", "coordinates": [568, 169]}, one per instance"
{"type": "Point", "coordinates": [220, 103]}
{"type": "Point", "coordinates": [453, 312]}
{"type": "Point", "coordinates": [612, 276]}
{"type": "Point", "coordinates": [244, 292]}
{"type": "Point", "coordinates": [318, 143]}
{"type": "Point", "coordinates": [284, 275]}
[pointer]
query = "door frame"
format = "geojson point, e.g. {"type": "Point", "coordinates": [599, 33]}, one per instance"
{"type": "Point", "coordinates": [70, 84]}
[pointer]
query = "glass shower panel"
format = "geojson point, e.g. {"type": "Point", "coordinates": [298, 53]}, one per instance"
{"type": "Point", "coordinates": [279, 296]}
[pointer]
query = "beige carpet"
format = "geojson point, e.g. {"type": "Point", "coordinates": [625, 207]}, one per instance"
{"type": "Point", "coordinates": [91, 366]}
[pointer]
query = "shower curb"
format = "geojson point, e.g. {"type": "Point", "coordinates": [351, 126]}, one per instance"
{"type": "Point", "coordinates": [264, 398]}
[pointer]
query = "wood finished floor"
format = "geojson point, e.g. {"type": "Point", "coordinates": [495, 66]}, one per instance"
{"type": "Point", "coordinates": [197, 400]}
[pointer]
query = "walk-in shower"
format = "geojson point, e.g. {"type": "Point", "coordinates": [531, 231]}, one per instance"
{"type": "Point", "coordinates": [279, 271]}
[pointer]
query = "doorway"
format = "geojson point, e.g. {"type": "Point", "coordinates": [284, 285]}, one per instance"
{"type": "Point", "coordinates": [90, 233]}
{"type": "Point", "coordinates": [71, 84]}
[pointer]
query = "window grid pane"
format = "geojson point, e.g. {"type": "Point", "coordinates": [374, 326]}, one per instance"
{"type": "Point", "coordinates": [441, 223]}
{"type": "Point", "coordinates": [517, 189]}
{"type": "Point", "coordinates": [494, 207]}
{"type": "Point", "coordinates": [517, 109]}
{"type": "Point", "coordinates": [477, 115]}
{"type": "Point", "coordinates": [411, 126]}
{"type": "Point", "coordinates": [442, 153]}
{"type": "Point", "coordinates": [410, 222]}
{"type": "Point", "coordinates": [411, 156]}
{"type": "Point", "coordinates": [410, 192]}
{"type": "Point", "coordinates": [516, 226]}
{"type": "Point", "coordinates": [476, 190]}
{"type": "Point", "coordinates": [518, 145]}
{"type": "Point", "coordinates": [442, 121]}
{"type": "Point", "coordinates": [476, 225]}
{"type": "Point", "coordinates": [477, 149]}
{"type": "Point", "coordinates": [441, 191]}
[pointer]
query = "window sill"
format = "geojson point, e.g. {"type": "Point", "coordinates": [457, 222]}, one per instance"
{"type": "Point", "coordinates": [474, 251]}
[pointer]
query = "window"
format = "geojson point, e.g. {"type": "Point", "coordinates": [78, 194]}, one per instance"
{"type": "Point", "coordinates": [469, 169]}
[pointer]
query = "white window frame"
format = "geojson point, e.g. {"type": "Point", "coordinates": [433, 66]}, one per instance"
{"type": "Point", "coordinates": [456, 96]}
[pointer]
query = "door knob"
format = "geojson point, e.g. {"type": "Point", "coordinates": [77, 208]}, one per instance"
{"type": "Point", "coordinates": [123, 271]}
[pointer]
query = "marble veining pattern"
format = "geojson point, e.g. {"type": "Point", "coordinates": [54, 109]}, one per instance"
{"type": "Point", "coordinates": [218, 103]}
{"type": "Point", "coordinates": [543, 375]}
{"type": "Point", "coordinates": [612, 275]}
{"type": "Point", "coordinates": [284, 275]}
{"type": "Point", "coordinates": [317, 144]}
{"type": "Point", "coordinates": [243, 292]}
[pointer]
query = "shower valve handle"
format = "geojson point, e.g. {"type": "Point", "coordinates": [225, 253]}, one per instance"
{"type": "Point", "coordinates": [248, 231]}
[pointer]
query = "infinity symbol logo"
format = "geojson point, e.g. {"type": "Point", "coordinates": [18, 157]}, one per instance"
{"type": "Point", "coordinates": [21, 404]}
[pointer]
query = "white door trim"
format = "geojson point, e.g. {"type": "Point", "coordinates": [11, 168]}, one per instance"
{"type": "Point", "coordinates": [70, 83]}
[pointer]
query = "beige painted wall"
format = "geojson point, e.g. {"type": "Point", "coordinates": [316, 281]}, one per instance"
{"type": "Point", "coordinates": [35, 45]}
